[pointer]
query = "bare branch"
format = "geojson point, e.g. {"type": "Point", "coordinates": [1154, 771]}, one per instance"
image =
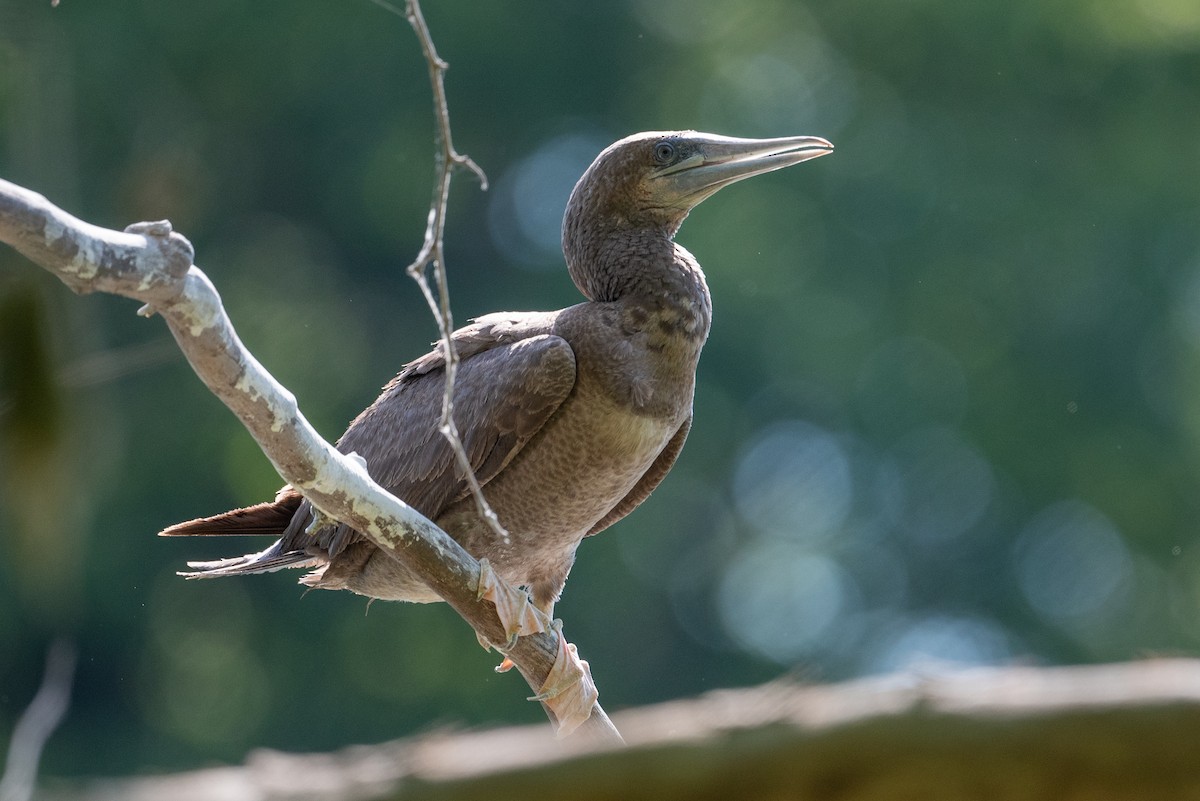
{"type": "Point", "coordinates": [151, 263]}
{"type": "Point", "coordinates": [38, 722]}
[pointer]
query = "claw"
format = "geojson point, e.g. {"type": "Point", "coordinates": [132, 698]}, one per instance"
{"type": "Point", "coordinates": [513, 607]}
{"type": "Point", "coordinates": [569, 690]}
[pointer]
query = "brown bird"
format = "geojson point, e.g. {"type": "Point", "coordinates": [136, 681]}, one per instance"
{"type": "Point", "coordinates": [570, 418]}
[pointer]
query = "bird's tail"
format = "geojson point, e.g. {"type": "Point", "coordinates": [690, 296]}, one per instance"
{"type": "Point", "coordinates": [266, 519]}
{"type": "Point", "coordinates": [268, 561]}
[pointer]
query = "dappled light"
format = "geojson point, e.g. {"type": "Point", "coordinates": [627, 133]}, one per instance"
{"type": "Point", "coordinates": [937, 641]}
{"type": "Point", "coordinates": [937, 487]}
{"type": "Point", "coordinates": [794, 482]}
{"type": "Point", "coordinates": [1073, 567]}
{"type": "Point", "coordinates": [783, 602]}
{"type": "Point", "coordinates": [525, 210]}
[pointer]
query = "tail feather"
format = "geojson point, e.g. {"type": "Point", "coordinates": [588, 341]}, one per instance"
{"type": "Point", "coordinates": [267, 561]}
{"type": "Point", "coordinates": [273, 519]}
{"type": "Point", "coordinates": [267, 519]}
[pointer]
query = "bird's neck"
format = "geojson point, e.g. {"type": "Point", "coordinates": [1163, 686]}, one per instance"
{"type": "Point", "coordinates": [646, 268]}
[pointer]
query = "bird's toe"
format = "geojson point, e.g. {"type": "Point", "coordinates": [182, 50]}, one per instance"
{"type": "Point", "coordinates": [569, 690]}
{"type": "Point", "coordinates": [513, 606]}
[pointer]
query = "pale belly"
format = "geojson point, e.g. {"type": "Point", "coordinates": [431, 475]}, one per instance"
{"type": "Point", "coordinates": [561, 483]}
{"type": "Point", "coordinates": [558, 487]}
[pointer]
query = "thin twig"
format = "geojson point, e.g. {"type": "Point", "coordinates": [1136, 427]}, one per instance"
{"type": "Point", "coordinates": [38, 722]}
{"type": "Point", "coordinates": [432, 253]}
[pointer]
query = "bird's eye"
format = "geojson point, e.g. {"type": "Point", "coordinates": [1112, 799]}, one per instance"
{"type": "Point", "coordinates": [664, 152]}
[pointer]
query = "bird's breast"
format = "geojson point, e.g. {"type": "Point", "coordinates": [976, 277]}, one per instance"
{"type": "Point", "coordinates": [633, 390]}
{"type": "Point", "coordinates": [583, 462]}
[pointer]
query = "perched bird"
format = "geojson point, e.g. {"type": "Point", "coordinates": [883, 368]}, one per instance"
{"type": "Point", "coordinates": [570, 418]}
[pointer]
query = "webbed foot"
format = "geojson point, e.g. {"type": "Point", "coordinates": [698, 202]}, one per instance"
{"type": "Point", "coordinates": [569, 690]}
{"type": "Point", "coordinates": [514, 608]}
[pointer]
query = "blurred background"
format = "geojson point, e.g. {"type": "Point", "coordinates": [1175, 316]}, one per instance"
{"type": "Point", "coordinates": [949, 411]}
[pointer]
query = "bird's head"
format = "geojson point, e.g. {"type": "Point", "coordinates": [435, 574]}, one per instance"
{"type": "Point", "coordinates": [628, 205]}
{"type": "Point", "coordinates": [652, 180]}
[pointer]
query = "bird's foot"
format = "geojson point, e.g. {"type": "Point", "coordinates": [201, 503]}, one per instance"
{"type": "Point", "coordinates": [516, 612]}
{"type": "Point", "coordinates": [569, 690]}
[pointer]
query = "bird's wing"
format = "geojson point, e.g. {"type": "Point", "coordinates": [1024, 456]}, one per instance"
{"type": "Point", "coordinates": [513, 375]}
{"type": "Point", "coordinates": [649, 480]}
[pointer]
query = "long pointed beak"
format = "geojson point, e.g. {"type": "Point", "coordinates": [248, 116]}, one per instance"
{"type": "Point", "coordinates": [721, 160]}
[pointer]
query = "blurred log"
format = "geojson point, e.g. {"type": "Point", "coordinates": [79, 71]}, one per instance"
{"type": "Point", "coordinates": [1127, 731]}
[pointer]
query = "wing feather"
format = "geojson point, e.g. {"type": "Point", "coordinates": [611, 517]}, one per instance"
{"type": "Point", "coordinates": [513, 374]}
{"type": "Point", "coordinates": [503, 396]}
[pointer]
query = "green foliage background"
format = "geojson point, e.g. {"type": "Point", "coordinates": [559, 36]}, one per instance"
{"type": "Point", "coordinates": [948, 410]}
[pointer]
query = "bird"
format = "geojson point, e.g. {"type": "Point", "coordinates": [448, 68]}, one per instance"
{"type": "Point", "coordinates": [569, 418]}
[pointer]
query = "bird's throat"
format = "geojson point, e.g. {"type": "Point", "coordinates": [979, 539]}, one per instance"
{"type": "Point", "coordinates": [644, 266]}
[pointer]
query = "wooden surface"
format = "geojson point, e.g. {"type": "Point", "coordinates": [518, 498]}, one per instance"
{"type": "Point", "coordinates": [1127, 731]}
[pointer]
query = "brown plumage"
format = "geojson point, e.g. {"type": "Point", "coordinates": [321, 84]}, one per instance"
{"type": "Point", "coordinates": [570, 418]}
